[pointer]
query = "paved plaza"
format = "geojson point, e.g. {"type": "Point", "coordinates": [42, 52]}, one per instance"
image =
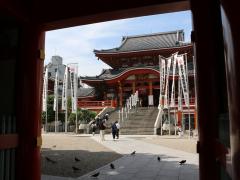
{"type": "Point", "coordinates": [144, 164]}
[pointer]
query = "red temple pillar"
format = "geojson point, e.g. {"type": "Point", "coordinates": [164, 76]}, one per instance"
{"type": "Point", "coordinates": [133, 87]}
{"type": "Point", "coordinates": [120, 94]}
{"type": "Point", "coordinates": [150, 88]}
{"type": "Point", "coordinates": [29, 86]}
{"type": "Point", "coordinates": [195, 119]}
{"type": "Point", "coordinates": [179, 116]}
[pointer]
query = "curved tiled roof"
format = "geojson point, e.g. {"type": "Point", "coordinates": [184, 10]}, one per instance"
{"type": "Point", "coordinates": [108, 74]}
{"type": "Point", "coordinates": [84, 92]}
{"type": "Point", "coordinates": [148, 42]}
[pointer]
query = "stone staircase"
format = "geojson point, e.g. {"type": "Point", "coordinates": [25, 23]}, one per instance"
{"type": "Point", "coordinates": [140, 122]}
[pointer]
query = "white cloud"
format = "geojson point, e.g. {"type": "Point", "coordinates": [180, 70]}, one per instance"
{"type": "Point", "coordinates": [77, 44]}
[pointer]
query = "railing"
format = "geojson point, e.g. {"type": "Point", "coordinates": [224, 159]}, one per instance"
{"type": "Point", "coordinates": [88, 104]}
{"type": "Point", "coordinates": [191, 101]}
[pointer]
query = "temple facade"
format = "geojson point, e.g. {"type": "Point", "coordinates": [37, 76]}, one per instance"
{"type": "Point", "coordinates": [135, 67]}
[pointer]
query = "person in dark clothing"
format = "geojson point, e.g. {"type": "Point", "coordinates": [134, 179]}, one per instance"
{"type": "Point", "coordinates": [114, 130]}
{"type": "Point", "coordinates": [106, 117]}
{"type": "Point", "coordinates": [94, 127]}
{"type": "Point", "coordinates": [98, 121]}
{"type": "Point", "coordinates": [118, 128]}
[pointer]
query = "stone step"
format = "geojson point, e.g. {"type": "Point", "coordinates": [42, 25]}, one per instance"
{"type": "Point", "coordinates": [138, 122]}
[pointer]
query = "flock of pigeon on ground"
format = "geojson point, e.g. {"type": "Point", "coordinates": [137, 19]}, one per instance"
{"type": "Point", "coordinates": [75, 169]}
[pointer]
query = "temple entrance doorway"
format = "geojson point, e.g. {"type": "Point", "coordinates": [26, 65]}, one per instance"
{"type": "Point", "coordinates": [156, 97]}
{"type": "Point", "coordinates": [143, 97]}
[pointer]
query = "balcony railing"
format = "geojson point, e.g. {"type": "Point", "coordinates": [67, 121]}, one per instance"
{"type": "Point", "coordinates": [95, 104]}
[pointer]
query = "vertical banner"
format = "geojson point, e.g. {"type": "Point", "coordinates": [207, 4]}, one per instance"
{"type": "Point", "coordinates": [150, 100]}
{"type": "Point", "coordinates": [133, 100]}
{"type": "Point", "coordinates": [179, 95]}
{"type": "Point", "coordinates": [45, 91]}
{"type": "Point", "coordinates": [183, 79]}
{"type": "Point", "coordinates": [137, 99]}
{"type": "Point", "coordinates": [128, 105]}
{"type": "Point", "coordinates": [162, 71]}
{"type": "Point", "coordinates": [126, 110]}
{"type": "Point", "coordinates": [130, 102]}
{"type": "Point", "coordinates": [74, 81]}
{"type": "Point", "coordinates": [167, 83]}
{"type": "Point", "coordinates": [187, 82]}
{"type": "Point", "coordinates": [65, 88]}
{"type": "Point", "coordinates": [172, 104]}
{"type": "Point", "coordinates": [56, 92]}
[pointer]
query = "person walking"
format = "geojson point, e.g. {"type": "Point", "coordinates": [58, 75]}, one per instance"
{"type": "Point", "coordinates": [114, 130]}
{"type": "Point", "coordinates": [97, 120]}
{"type": "Point", "coordinates": [118, 129]}
{"type": "Point", "coordinates": [94, 127]}
{"type": "Point", "coordinates": [106, 116]}
{"type": "Point", "coordinates": [102, 127]}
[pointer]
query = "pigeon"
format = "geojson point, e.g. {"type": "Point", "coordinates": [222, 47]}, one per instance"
{"type": "Point", "coordinates": [133, 153]}
{"type": "Point", "coordinates": [76, 159]}
{"type": "Point", "coordinates": [50, 160]}
{"type": "Point", "coordinates": [54, 146]}
{"type": "Point", "coordinates": [182, 162]}
{"type": "Point", "coordinates": [96, 174]}
{"type": "Point", "coordinates": [75, 168]}
{"type": "Point", "coordinates": [158, 158]}
{"type": "Point", "coordinates": [112, 166]}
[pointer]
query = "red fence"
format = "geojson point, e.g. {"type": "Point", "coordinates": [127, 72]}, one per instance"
{"type": "Point", "coordinates": [93, 104]}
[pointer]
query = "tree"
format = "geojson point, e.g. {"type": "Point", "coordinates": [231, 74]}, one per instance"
{"type": "Point", "coordinates": [83, 115]}
{"type": "Point", "coordinates": [50, 112]}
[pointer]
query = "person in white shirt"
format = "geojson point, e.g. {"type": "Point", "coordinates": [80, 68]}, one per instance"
{"type": "Point", "coordinates": [102, 127]}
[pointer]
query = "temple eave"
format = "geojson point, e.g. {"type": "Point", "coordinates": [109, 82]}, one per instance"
{"type": "Point", "coordinates": [110, 57]}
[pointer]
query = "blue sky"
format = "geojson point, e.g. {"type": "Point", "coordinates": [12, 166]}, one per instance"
{"type": "Point", "coordinates": [76, 44]}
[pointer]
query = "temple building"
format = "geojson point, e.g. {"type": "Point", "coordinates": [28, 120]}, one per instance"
{"type": "Point", "coordinates": [135, 67]}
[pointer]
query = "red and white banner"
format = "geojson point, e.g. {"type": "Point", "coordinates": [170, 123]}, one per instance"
{"type": "Point", "coordinates": [45, 91]}
{"type": "Point", "coordinates": [172, 103]}
{"type": "Point", "coordinates": [56, 91]}
{"type": "Point", "coordinates": [183, 79]}
{"type": "Point", "coordinates": [162, 71]}
{"type": "Point", "coordinates": [74, 83]}
{"type": "Point", "coordinates": [65, 88]}
{"type": "Point", "coordinates": [169, 60]}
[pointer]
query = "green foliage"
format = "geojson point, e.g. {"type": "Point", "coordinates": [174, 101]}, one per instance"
{"type": "Point", "coordinates": [87, 116]}
{"type": "Point", "coordinates": [50, 112]}
{"type": "Point", "coordinates": [83, 115]}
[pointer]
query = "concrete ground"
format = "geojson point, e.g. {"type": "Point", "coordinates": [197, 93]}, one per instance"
{"type": "Point", "coordinates": [183, 144]}
{"type": "Point", "coordinates": [63, 148]}
{"type": "Point", "coordinates": [144, 164]}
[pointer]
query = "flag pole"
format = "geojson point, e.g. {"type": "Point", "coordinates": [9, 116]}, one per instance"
{"type": "Point", "coordinates": [189, 116]}
{"type": "Point", "coordinates": [46, 89]}
{"type": "Point", "coordinates": [76, 122]}
{"type": "Point", "coordinates": [56, 97]}
{"type": "Point", "coordinates": [66, 114]}
{"type": "Point", "coordinates": [76, 86]}
{"type": "Point", "coordinates": [66, 103]}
